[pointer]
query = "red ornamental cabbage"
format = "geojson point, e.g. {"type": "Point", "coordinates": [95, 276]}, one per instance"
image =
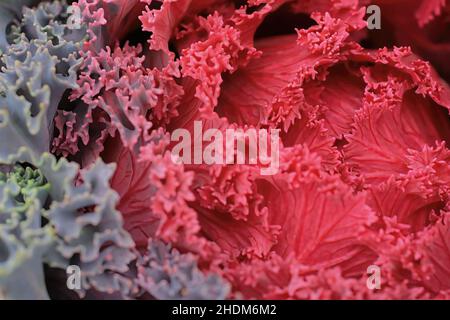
{"type": "Point", "coordinates": [364, 160]}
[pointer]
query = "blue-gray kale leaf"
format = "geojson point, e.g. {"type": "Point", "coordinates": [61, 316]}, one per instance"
{"type": "Point", "coordinates": [165, 273]}
{"type": "Point", "coordinates": [57, 216]}
{"type": "Point", "coordinates": [39, 64]}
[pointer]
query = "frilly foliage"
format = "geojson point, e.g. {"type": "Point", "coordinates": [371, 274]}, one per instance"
{"type": "Point", "coordinates": [46, 217]}
{"type": "Point", "coordinates": [165, 273]}
{"type": "Point", "coordinates": [39, 65]}
{"type": "Point", "coordinates": [23, 242]}
{"type": "Point", "coordinates": [51, 211]}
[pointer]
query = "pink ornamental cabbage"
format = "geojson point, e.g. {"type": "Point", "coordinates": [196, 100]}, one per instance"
{"type": "Point", "coordinates": [364, 170]}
